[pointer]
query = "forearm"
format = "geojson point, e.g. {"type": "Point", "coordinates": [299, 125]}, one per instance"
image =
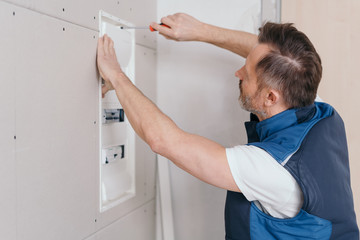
{"type": "Point", "coordinates": [238, 42]}
{"type": "Point", "coordinates": [144, 116]}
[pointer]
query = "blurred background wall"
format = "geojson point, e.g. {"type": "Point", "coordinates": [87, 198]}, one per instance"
{"type": "Point", "coordinates": [333, 27]}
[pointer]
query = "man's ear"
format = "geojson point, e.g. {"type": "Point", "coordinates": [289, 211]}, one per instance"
{"type": "Point", "coordinates": [272, 97]}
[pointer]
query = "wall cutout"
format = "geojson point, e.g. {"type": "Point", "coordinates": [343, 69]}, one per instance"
{"type": "Point", "coordinates": [117, 138]}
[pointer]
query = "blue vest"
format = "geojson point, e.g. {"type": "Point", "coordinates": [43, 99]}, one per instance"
{"type": "Point", "coordinates": [315, 135]}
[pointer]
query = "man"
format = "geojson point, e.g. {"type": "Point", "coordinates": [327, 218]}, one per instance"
{"type": "Point", "coordinates": [292, 180]}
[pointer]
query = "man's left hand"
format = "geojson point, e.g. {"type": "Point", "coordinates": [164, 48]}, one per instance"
{"type": "Point", "coordinates": [107, 63]}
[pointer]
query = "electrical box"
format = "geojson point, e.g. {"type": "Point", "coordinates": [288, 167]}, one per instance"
{"type": "Point", "coordinates": [117, 138]}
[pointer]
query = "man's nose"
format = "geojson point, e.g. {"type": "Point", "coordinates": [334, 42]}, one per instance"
{"type": "Point", "coordinates": [238, 74]}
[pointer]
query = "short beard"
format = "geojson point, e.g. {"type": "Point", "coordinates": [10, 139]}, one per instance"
{"type": "Point", "coordinates": [247, 103]}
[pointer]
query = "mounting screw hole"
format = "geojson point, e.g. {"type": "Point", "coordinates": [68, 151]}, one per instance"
{"type": "Point", "coordinates": [13, 13]}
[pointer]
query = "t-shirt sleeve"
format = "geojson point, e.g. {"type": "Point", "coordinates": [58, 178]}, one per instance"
{"type": "Point", "coordinates": [261, 178]}
{"type": "Point", "coordinates": [318, 99]}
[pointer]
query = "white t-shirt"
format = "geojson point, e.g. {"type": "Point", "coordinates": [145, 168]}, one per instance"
{"type": "Point", "coordinates": [263, 180]}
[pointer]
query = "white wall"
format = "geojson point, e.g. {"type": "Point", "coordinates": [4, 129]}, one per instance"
{"type": "Point", "coordinates": [198, 90]}
{"type": "Point", "coordinates": [49, 101]}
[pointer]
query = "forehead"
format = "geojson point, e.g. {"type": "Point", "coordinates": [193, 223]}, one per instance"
{"type": "Point", "coordinates": [256, 54]}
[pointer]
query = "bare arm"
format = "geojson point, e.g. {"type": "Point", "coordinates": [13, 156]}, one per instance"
{"type": "Point", "coordinates": [186, 28]}
{"type": "Point", "coordinates": [198, 156]}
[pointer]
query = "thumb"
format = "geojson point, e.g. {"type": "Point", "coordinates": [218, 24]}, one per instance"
{"type": "Point", "coordinates": [104, 90]}
{"type": "Point", "coordinates": [154, 25]}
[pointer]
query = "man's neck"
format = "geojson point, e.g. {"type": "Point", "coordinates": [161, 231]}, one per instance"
{"type": "Point", "coordinates": [270, 112]}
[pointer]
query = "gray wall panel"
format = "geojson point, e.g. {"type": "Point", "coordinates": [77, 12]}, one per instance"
{"type": "Point", "coordinates": [85, 13]}
{"type": "Point", "coordinates": [7, 126]}
{"type": "Point", "coordinates": [145, 74]}
{"type": "Point", "coordinates": [56, 106]}
{"type": "Point", "coordinates": [49, 99]}
{"type": "Point", "coordinates": [138, 225]}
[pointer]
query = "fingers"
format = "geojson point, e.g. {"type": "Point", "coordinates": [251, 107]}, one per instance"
{"type": "Point", "coordinates": [104, 90]}
{"type": "Point", "coordinates": [183, 27]}
{"type": "Point", "coordinates": [100, 48]}
{"type": "Point", "coordinates": [154, 25]}
{"type": "Point", "coordinates": [111, 47]}
{"type": "Point", "coordinates": [167, 37]}
{"type": "Point", "coordinates": [107, 63]}
{"type": "Point", "coordinates": [165, 31]}
{"type": "Point", "coordinates": [169, 20]}
{"type": "Point", "coordinates": [106, 45]}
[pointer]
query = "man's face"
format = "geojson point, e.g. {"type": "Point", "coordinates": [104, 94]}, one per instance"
{"type": "Point", "coordinates": [250, 96]}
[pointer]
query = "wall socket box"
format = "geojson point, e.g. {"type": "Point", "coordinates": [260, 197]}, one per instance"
{"type": "Point", "coordinates": [117, 138]}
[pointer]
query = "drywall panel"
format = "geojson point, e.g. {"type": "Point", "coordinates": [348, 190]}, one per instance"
{"type": "Point", "coordinates": [85, 13]}
{"type": "Point", "coordinates": [145, 73]}
{"type": "Point", "coordinates": [81, 12]}
{"type": "Point", "coordinates": [198, 90]}
{"type": "Point", "coordinates": [93, 237]}
{"type": "Point", "coordinates": [7, 127]}
{"type": "Point", "coordinates": [52, 178]}
{"type": "Point", "coordinates": [138, 225]}
{"type": "Point", "coordinates": [56, 114]}
{"type": "Point", "coordinates": [138, 12]}
{"type": "Point", "coordinates": [143, 13]}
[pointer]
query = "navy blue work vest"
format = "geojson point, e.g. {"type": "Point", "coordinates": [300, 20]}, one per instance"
{"type": "Point", "coordinates": [315, 135]}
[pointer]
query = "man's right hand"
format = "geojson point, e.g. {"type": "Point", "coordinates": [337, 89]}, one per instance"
{"type": "Point", "coordinates": [183, 27]}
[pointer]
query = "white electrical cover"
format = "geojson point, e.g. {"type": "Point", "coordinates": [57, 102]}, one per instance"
{"type": "Point", "coordinates": [117, 138]}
